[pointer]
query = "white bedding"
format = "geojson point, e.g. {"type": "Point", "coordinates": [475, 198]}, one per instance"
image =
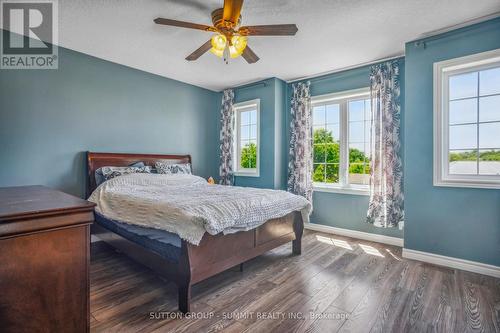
{"type": "Point", "coordinates": [188, 206]}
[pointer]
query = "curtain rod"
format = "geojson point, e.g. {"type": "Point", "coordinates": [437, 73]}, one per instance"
{"type": "Point", "coordinates": [258, 83]}
{"type": "Point", "coordinates": [324, 76]}
{"type": "Point", "coordinates": [434, 33]}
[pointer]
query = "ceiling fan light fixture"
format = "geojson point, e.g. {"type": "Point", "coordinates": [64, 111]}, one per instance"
{"type": "Point", "coordinates": [219, 42]}
{"type": "Point", "coordinates": [238, 45]}
{"type": "Point", "coordinates": [230, 40]}
{"type": "Point", "coordinates": [218, 53]}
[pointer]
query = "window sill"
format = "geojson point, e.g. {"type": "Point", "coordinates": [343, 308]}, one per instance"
{"type": "Point", "coordinates": [467, 183]}
{"type": "Point", "coordinates": [246, 174]}
{"type": "Point", "coordinates": [354, 190]}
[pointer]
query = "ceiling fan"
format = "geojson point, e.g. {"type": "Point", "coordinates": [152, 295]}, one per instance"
{"type": "Point", "coordinates": [230, 40]}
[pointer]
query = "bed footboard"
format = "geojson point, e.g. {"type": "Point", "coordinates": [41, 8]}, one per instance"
{"type": "Point", "coordinates": [214, 254]}
{"type": "Point", "coordinates": [220, 252]}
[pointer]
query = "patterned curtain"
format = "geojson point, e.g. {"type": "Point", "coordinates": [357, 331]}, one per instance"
{"type": "Point", "coordinates": [301, 142]}
{"type": "Point", "coordinates": [386, 176]}
{"type": "Point", "coordinates": [226, 138]}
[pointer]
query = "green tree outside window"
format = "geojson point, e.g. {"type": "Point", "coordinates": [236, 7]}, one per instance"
{"type": "Point", "coordinates": [326, 158]}
{"type": "Point", "coordinates": [249, 156]}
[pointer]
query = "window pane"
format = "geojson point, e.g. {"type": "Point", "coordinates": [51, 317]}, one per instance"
{"type": "Point", "coordinates": [319, 173]}
{"type": "Point", "coordinates": [356, 110]}
{"type": "Point", "coordinates": [253, 132]}
{"type": "Point", "coordinates": [463, 111]}
{"type": "Point", "coordinates": [357, 131]}
{"type": "Point", "coordinates": [245, 117]}
{"type": "Point", "coordinates": [463, 162]}
{"type": "Point", "coordinates": [319, 115]}
{"type": "Point", "coordinates": [490, 81]}
{"type": "Point", "coordinates": [318, 128]}
{"type": "Point", "coordinates": [359, 174]}
{"type": "Point", "coordinates": [463, 136]}
{"type": "Point", "coordinates": [244, 143]}
{"type": "Point", "coordinates": [321, 135]}
{"type": "Point", "coordinates": [359, 137]}
{"type": "Point", "coordinates": [368, 110]}
{"type": "Point", "coordinates": [334, 131]}
{"type": "Point", "coordinates": [367, 131]}
{"type": "Point", "coordinates": [367, 151]}
{"type": "Point", "coordinates": [463, 85]}
{"type": "Point", "coordinates": [357, 146]}
{"type": "Point", "coordinates": [248, 155]}
{"type": "Point", "coordinates": [357, 153]}
{"type": "Point", "coordinates": [245, 132]}
{"type": "Point", "coordinates": [489, 162]}
{"type": "Point", "coordinates": [319, 152]}
{"type": "Point", "coordinates": [253, 116]}
{"type": "Point", "coordinates": [253, 156]}
{"type": "Point", "coordinates": [332, 152]}
{"type": "Point", "coordinates": [359, 164]}
{"type": "Point", "coordinates": [332, 173]}
{"type": "Point", "coordinates": [332, 114]}
{"type": "Point", "coordinates": [489, 108]}
{"type": "Point", "coordinates": [489, 135]}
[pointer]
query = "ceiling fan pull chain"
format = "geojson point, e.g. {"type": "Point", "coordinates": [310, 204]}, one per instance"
{"type": "Point", "coordinates": [226, 53]}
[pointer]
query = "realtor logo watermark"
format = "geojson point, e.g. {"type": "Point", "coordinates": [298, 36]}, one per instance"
{"type": "Point", "coordinates": [29, 34]}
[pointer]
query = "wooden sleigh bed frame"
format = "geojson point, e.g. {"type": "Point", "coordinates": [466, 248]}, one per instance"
{"type": "Point", "coordinates": [214, 254]}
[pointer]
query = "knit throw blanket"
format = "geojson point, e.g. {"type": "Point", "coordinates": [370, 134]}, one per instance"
{"type": "Point", "coordinates": [188, 206]}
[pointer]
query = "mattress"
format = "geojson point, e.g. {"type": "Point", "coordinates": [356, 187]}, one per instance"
{"type": "Point", "coordinates": [163, 243]}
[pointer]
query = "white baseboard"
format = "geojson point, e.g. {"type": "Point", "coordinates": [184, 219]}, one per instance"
{"type": "Point", "coordinates": [356, 234]}
{"type": "Point", "coordinates": [466, 265]}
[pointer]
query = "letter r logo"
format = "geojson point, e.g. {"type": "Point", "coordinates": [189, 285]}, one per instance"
{"type": "Point", "coordinates": [27, 27]}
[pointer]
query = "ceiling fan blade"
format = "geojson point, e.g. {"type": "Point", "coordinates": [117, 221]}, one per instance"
{"type": "Point", "coordinates": [200, 51]}
{"type": "Point", "coordinates": [182, 24]}
{"type": "Point", "coordinates": [232, 10]}
{"type": "Point", "coordinates": [250, 55]}
{"type": "Point", "coordinates": [269, 30]}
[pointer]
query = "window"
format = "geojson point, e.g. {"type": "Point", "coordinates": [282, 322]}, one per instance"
{"type": "Point", "coordinates": [341, 134]}
{"type": "Point", "coordinates": [467, 121]}
{"type": "Point", "coordinates": [247, 138]}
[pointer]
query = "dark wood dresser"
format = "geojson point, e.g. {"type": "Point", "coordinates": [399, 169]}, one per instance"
{"type": "Point", "coordinates": [44, 260]}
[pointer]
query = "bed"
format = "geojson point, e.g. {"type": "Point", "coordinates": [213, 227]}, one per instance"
{"type": "Point", "coordinates": [179, 260]}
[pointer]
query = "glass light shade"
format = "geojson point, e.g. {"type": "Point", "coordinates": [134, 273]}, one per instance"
{"type": "Point", "coordinates": [219, 42]}
{"type": "Point", "coordinates": [218, 53]}
{"type": "Point", "coordinates": [239, 43]}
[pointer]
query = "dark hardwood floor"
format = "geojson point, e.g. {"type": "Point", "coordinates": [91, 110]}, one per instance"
{"type": "Point", "coordinates": [338, 284]}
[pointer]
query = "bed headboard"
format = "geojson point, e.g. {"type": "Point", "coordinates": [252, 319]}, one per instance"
{"type": "Point", "coordinates": [97, 160]}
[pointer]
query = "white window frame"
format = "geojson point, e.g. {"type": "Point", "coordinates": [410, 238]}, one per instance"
{"type": "Point", "coordinates": [342, 98]}
{"type": "Point", "coordinates": [238, 108]}
{"type": "Point", "coordinates": [442, 71]}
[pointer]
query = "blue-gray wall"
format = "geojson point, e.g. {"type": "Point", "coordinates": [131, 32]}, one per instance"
{"type": "Point", "coordinates": [345, 210]}
{"type": "Point", "coordinates": [280, 143]}
{"type": "Point", "coordinates": [457, 222]}
{"type": "Point", "coordinates": [49, 118]}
